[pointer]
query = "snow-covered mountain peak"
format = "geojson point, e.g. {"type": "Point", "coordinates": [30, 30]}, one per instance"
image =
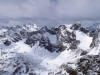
{"type": "Point", "coordinates": [32, 27]}
{"type": "Point", "coordinates": [30, 50]}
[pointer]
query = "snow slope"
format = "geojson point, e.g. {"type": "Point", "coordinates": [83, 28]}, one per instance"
{"type": "Point", "coordinates": [20, 58]}
{"type": "Point", "coordinates": [85, 40]}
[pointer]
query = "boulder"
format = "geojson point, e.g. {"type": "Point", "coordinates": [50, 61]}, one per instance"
{"type": "Point", "coordinates": [7, 42]}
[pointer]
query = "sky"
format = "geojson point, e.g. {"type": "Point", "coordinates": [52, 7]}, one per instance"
{"type": "Point", "coordinates": [49, 12]}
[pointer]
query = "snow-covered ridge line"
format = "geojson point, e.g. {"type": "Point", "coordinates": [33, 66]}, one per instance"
{"type": "Point", "coordinates": [46, 51]}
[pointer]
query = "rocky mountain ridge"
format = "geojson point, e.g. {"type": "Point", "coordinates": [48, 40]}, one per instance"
{"type": "Point", "coordinates": [61, 47]}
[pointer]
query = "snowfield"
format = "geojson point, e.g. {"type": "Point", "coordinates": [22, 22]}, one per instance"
{"type": "Point", "coordinates": [84, 39]}
{"type": "Point", "coordinates": [21, 58]}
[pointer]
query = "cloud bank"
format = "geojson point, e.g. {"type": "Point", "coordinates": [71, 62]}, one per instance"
{"type": "Point", "coordinates": [49, 11]}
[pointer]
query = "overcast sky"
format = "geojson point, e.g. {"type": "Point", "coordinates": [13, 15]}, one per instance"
{"type": "Point", "coordinates": [49, 11]}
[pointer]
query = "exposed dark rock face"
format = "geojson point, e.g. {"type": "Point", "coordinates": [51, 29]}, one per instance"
{"type": "Point", "coordinates": [16, 70]}
{"type": "Point", "coordinates": [23, 33]}
{"type": "Point", "coordinates": [69, 70]}
{"type": "Point", "coordinates": [16, 37]}
{"type": "Point", "coordinates": [63, 36]}
{"type": "Point", "coordinates": [95, 34]}
{"type": "Point", "coordinates": [74, 44]}
{"type": "Point", "coordinates": [84, 30]}
{"type": "Point", "coordinates": [32, 74]}
{"type": "Point", "coordinates": [67, 37]}
{"type": "Point", "coordinates": [89, 65]}
{"type": "Point", "coordinates": [43, 30]}
{"type": "Point", "coordinates": [92, 33]}
{"type": "Point", "coordinates": [84, 52]}
{"type": "Point", "coordinates": [45, 42]}
{"type": "Point", "coordinates": [52, 31]}
{"type": "Point", "coordinates": [30, 41]}
{"type": "Point", "coordinates": [76, 26]}
{"type": "Point", "coordinates": [7, 42]}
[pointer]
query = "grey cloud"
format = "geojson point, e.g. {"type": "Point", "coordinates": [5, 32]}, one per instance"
{"type": "Point", "coordinates": [49, 11]}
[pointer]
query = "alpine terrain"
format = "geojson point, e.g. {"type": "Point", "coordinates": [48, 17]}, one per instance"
{"type": "Point", "coordinates": [64, 50]}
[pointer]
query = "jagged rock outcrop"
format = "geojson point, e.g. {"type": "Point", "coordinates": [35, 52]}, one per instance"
{"type": "Point", "coordinates": [89, 65]}
{"type": "Point", "coordinates": [95, 34]}
{"type": "Point", "coordinates": [63, 35]}
{"type": "Point", "coordinates": [54, 42]}
{"type": "Point", "coordinates": [76, 26]}
{"type": "Point", "coordinates": [66, 37]}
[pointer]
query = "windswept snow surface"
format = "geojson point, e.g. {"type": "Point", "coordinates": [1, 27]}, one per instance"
{"type": "Point", "coordinates": [85, 40]}
{"type": "Point", "coordinates": [95, 51]}
{"type": "Point", "coordinates": [45, 60]}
